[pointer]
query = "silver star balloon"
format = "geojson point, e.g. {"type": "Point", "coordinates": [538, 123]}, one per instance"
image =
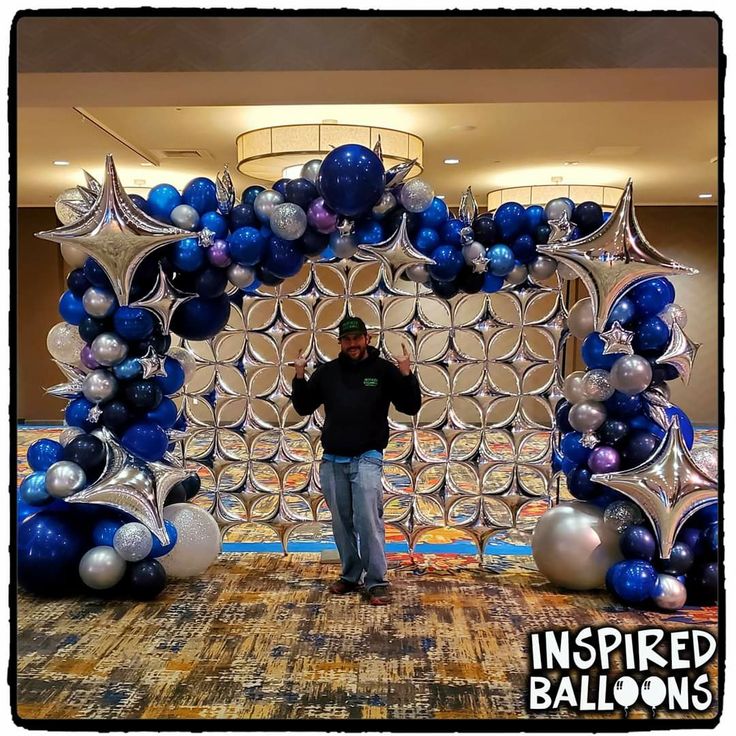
{"type": "Point", "coordinates": [617, 340]}
{"type": "Point", "coordinates": [656, 404]}
{"type": "Point", "coordinates": [590, 440]}
{"type": "Point", "coordinates": [480, 264]}
{"type": "Point", "coordinates": [669, 487]}
{"type": "Point", "coordinates": [94, 414]}
{"type": "Point", "coordinates": [396, 174]}
{"type": "Point", "coordinates": [225, 192]}
{"type": "Point", "coordinates": [164, 299]}
{"type": "Point", "coordinates": [73, 387]}
{"type": "Point", "coordinates": [397, 252]}
{"type": "Point", "coordinates": [152, 364]}
{"type": "Point", "coordinates": [116, 234]}
{"type": "Point", "coordinates": [468, 211]}
{"type": "Point", "coordinates": [680, 352]}
{"type": "Point", "coordinates": [205, 237]}
{"type": "Point", "coordinates": [614, 258]}
{"type": "Point", "coordinates": [560, 229]}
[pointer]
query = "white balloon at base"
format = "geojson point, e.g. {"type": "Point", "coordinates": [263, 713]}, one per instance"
{"type": "Point", "coordinates": [198, 541]}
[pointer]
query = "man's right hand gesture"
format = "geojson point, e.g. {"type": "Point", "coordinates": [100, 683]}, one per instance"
{"type": "Point", "coordinates": [300, 365]}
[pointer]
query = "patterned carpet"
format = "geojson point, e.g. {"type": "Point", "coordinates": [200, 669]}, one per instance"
{"type": "Point", "coordinates": [258, 637]}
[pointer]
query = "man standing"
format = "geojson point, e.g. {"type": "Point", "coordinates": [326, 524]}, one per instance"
{"type": "Point", "coordinates": [356, 390]}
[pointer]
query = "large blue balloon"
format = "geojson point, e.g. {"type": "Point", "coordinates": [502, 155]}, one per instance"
{"type": "Point", "coordinates": [572, 449]}
{"type": "Point", "coordinates": [201, 194]}
{"type": "Point", "coordinates": [146, 440]}
{"type": "Point", "coordinates": [201, 318]}
{"type": "Point", "coordinates": [161, 200]}
{"type": "Point", "coordinates": [501, 259]}
{"type": "Point", "coordinates": [215, 222]}
{"type": "Point", "coordinates": [533, 218]}
{"type": "Point", "coordinates": [174, 378]}
{"type": "Point", "coordinates": [43, 453]}
{"type": "Point", "coordinates": [634, 581]}
{"type": "Point", "coordinates": [509, 219]}
{"type": "Point", "coordinates": [282, 258]}
{"type": "Point", "coordinates": [164, 414]}
{"type": "Point", "coordinates": [71, 308]}
{"type": "Point", "coordinates": [435, 215]}
{"type": "Point", "coordinates": [247, 246]}
{"type": "Point", "coordinates": [623, 312]}
{"type": "Point", "coordinates": [638, 543]}
{"type": "Point", "coordinates": [651, 297]}
{"type": "Point", "coordinates": [133, 323]}
{"type": "Point", "coordinates": [187, 255]}
{"type": "Point", "coordinates": [524, 248]}
{"type": "Point", "coordinates": [592, 351]}
{"type": "Point", "coordinates": [351, 179]}
{"type": "Point", "coordinates": [242, 215]}
{"type": "Point", "coordinates": [76, 414]}
{"type": "Point", "coordinates": [447, 263]}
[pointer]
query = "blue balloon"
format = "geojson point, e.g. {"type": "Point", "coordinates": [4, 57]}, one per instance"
{"type": "Point", "coordinates": [572, 449]}
{"type": "Point", "coordinates": [43, 453]}
{"type": "Point", "coordinates": [562, 413]}
{"type": "Point", "coordinates": [139, 202]}
{"type": "Point", "coordinates": [623, 312]}
{"type": "Point", "coordinates": [622, 406]}
{"type": "Point", "coordinates": [77, 282]}
{"type": "Point", "coordinates": [524, 248]}
{"type": "Point", "coordinates": [447, 263]}
{"type": "Point", "coordinates": [680, 560]}
{"type": "Point", "coordinates": [200, 193]}
{"type": "Point", "coordinates": [501, 259]}
{"type": "Point", "coordinates": [71, 308]}
{"type": "Point", "coordinates": [77, 412]}
{"type": "Point", "coordinates": [652, 334]}
{"type": "Point", "coordinates": [33, 489]}
{"type": "Point", "coordinates": [686, 427]}
{"type": "Point", "coordinates": [242, 215]}
{"type": "Point", "coordinates": [161, 200]}
{"type": "Point", "coordinates": [426, 240]}
{"type": "Point", "coordinates": [280, 186]}
{"type": "Point", "coordinates": [158, 549]}
{"type": "Point", "coordinates": [638, 543]}
{"type": "Point", "coordinates": [128, 369]}
{"type": "Point", "coordinates": [201, 318]}
{"type": "Point", "coordinates": [133, 323]}
{"type": "Point", "coordinates": [351, 179]}
{"type": "Point", "coordinates": [145, 440]}
{"type": "Point", "coordinates": [611, 575]}
{"type": "Point", "coordinates": [247, 246]}
{"type": "Point", "coordinates": [250, 193]}
{"type": "Point", "coordinates": [282, 258]}
{"type": "Point", "coordinates": [216, 222]}
{"type": "Point", "coordinates": [637, 448]}
{"type": "Point", "coordinates": [174, 378]}
{"type": "Point", "coordinates": [581, 486]}
{"type": "Point", "coordinates": [509, 219]}
{"type": "Point", "coordinates": [705, 517]}
{"type": "Point", "coordinates": [445, 289]}
{"type": "Point", "coordinates": [450, 232]}
{"type": "Point", "coordinates": [533, 218]}
{"type": "Point", "coordinates": [492, 283]}
{"type": "Point", "coordinates": [369, 232]}
{"type": "Point", "coordinates": [164, 414]}
{"type": "Point", "coordinates": [650, 297]}
{"type": "Point", "coordinates": [643, 423]}
{"type": "Point", "coordinates": [690, 535]}
{"type": "Point", "coordinates": [592, 352]}
{"type": "Point", "coordinates": [104, 531]}
{"type": "Point", "coordinates": [95, 275]}
{"type": "Point", "coordinates": [634, 581]}
{"type": "Point", "coordinates": [187, 255]}
{"type": "Point", "coordinates": [435, 215]}
{"type": "Point", "coordinates": [24, 510]}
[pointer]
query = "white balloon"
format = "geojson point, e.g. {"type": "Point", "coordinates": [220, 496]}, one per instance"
{"type": "Point", "coordinates": [197, 544]}
{"type": "Point", "coordinates": [64, 343]}
{"type": "Point", "coordinates": [580, 320]}
{"type": "Point", "coordinates": [653, 691]}
{"type": "Point", "coordinates": [73, 255]}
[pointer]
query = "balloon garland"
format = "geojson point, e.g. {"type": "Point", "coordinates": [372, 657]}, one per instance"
{"type": "Point", "coordinates": [106, 506]}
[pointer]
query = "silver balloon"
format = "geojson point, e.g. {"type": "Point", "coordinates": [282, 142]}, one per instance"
{"type": "Point", "coordinates": [185, 217]}
{"type": "Point", "coordinates": [572, 388]}
{"type": "Point", "coordinates": [581, 320]}
{"type": "Point", "coordinates": [573, 548]}
{"type": "Point", "coordinates": [416, 195]}
{"type": "Point", "coordinates": [241, 276]}
{"type": "Point", "coordinates": [73, 255]}
{"type": "Point", "coordinates": [69, 434]}
{"type": "Point", "coordinates": [101, 568]}
{"type": "Point", "coordinates": [542, 267]}
{"type": "Point", "coordinates": [98, 302]}
{"type": "Point", "coordinates": [620, 515]}
{"type": "Point", "coordinates": [669, 593]}
{"type": "Point", "coordinates": [587, 416]}
{"type": "Point", "coordinates": [133, 542]}
{"type": "Point", "coordinates": [288, 221]}
{"type": "Point", "coordinates": [472, 251]}
{"type": "Point", "coordinates": [64, 343]}
{"type": "Point", "coordinates": [343, 246]}
{"type": "Point", "coordinates": [99, 385]}
{"type": "Point", "coordinates": [64, 478]}
{"type": "Point", "coordinates": [631, 374]}
{"type": "Point", "coordinates": [109, 349]}
{"type": "Point", "coordinates": [310, 170]}
{"type": "Point", "coordinates": [518, 274]}
{"type": "Point", "coordinates": [680, 352]}
{"type": "Point", "coordinates": [673, 313]}
{"type": "Point", "coordinates": [597, 385]}
{"type": "Point", "coordinates": [554, 209]}
{"type": "Point", "coordinates": [266, 202]}
{"type": "Point", "coordinates": [419, 274]}
{"type": "Point", "coordinates": [565, 272]}
{"type": "Point", "coordinates": [706, 458]}
{"type": "Point", "coordinates": [385, 204]}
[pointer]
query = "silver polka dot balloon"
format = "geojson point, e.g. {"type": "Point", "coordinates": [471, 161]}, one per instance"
{"type": "Point", "coordinates": [288, 221]}
{"type": "Point", "coordinates": [416, 195]}
{"type": "Point", "coordinates": [620, 515]}
{"type": "Point", "coordinates": [597, 385]}
{"type": "Point", "coordinates": [133, 541]}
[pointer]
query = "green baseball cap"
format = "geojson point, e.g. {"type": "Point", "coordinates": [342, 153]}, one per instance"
{"type": "Point", "coordinates": [351, 325]}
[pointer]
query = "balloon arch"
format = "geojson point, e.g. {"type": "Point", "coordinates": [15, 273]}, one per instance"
{"type": "Point", "coordinates": [118, 501]}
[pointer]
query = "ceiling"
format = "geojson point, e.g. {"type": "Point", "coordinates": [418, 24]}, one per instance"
{"type": "Point", "coordinates": [512, 97]}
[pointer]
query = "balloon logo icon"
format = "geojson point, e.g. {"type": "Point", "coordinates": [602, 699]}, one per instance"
{"type": "Point", "coordinates": [625, 693]}
{"type": "Point", "coordinates": [653, 692]}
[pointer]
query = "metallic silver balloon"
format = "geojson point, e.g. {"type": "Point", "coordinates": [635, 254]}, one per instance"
{"type": "Point", "coordinates": [554, 209]}
{"type": "Point", "coordinates": [343, 246]}
{"type": "Point", "coordinates": [64, 478]}
{"type": "Point", "coordinates": [573, 548]}
{"type": "Point", "coordinates": [680, 352]}
{"type": "Point", "coordinates": [669, 593]}
{"type": "Point", "coordinates": [310, 170]}
{"type": "Point", "coordinates": [241, 276]}
{"type": "Point", "coordinates": [419, 274]}
{"type": "Point", "coordinates": [288, 221]}
{"type": "Point", "coordinates": [587, 416]}
{"type": "Point", "coordinates": [518, 274]}
{"type": "Point", "coordinates": [385, 204]}
{"type": "Point", "coordinates": [631, 374]}
{"type": "Point", "coordinates": [706, 458]}
{"type": "Point", "coordinates": [472, 251]}
{"type": "Point", "coordinates": [416, 195]}
{"type": "Point", "coordinates": [69, 434]}
{"type": "Point", "coordinates": [109, 349]}
{"type": "Point", "coordinates": [98, 302]}
{"type": "Point", "coordinates": [266, 202]}
{"type": "Point", "coordinates": [673, 313]}
{"type": "Point", "coordinates": [620, 515]}
{"type": "Point", "coordinates": [669, 487]}
{"type": "Point", "coordinates": [73, 255]}
{"type": "Point", "coordinates": [224, 191]}
{"type": "Point", "coordinates": [133, 542]}
{"type": "Point", "coordinates": [542, 267]}
{"type": "Point", "coordinates": [99, 385]}
{"type": "Point", "coordinates": [101, 568]}
{"type": "Point", "coordinates": [581, 321]}
{"type": "Point", "coordinates": [185, 217]}
{"type": "Point", "coordinates": [572, 388]}
{"type": "Point", "coordinates": [597, 385]}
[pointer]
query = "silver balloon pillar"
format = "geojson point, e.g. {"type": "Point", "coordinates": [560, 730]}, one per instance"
{"type": "Point", "coordinates": [475, 459]}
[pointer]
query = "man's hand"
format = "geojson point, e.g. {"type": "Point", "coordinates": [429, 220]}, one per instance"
{"type": "Point", "coordinates": [300, 364]}
{"type": "Point", "coordinates": [404, 362]}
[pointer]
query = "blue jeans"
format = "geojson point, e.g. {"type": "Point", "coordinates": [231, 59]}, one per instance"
{"type": "Point", "coordinates": [355, 499]}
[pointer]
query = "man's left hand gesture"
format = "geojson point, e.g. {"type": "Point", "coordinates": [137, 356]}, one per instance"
{"type": "Point", "coordinates": [404, 361]}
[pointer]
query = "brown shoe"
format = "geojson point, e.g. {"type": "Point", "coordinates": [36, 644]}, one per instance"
{"type": "Point", "coordinates": [340, 587]}
{"type": "Point", "coordinates": [379, 596]}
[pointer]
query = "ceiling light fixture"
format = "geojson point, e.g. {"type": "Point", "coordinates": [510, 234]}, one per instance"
{"type": "Point", "coordinates": [451, 161]}
{"type": "Point", "coordinates": [61, 163]}
{"type": "Point", "coordinates": [440, 196]}
{"type": "Point", "coordinates": [606, 197]}
{"type": "Point", "coordinates": [266, 153]}
{"type": "Point", "coordinates": [146, 163]}
{"type": "Point", "coordinates": [570, 163]}
{"type": "Point", "coordinates": [704, 196]}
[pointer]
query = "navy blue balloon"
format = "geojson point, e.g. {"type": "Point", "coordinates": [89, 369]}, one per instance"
{"type": "Point", "coordinates": [164, 414]}
{"type": "Point", "coordinates": [32, 489]}
{"type": "Point", "coordinates": [143, 396]}
{"type": "Point", "coordinates": [133, 323]}
{"type": "Point", "coordinates": [592, 352]}
{"type": "Point", "coordinates": [90, 327]}
{"type": "Point", "coordinates": [638, 543]}
{"type": "Point", "coordinates": [174, 378]}
{"type": "Point", "coordinates": [313, 243]}
{"type": "Point", "coordinates": [485, 231]}
{"type": "Point", "coordinates": [247, 246]}
{"type": "Point", "coordinates": [139, 202]}
{"type": "Point", "coordinates": [115, 415]}
{"type": "Point", "coordinates": [509, 219]}
{"type": "Point", "coordinates": [71, 308]}
{"type": "Point", "coordinates": [562, 412]}
{"type": "Point", "coordinates": [680, 561]}
{"type": "Point", "coordinates": [450, 232]}
{"type": "Point", "coordinates": [612, 431]}
{"type": "Point", "coordinates": [89, 452]}
{"type": "Point", "coordinates": [211, 282]}
{"type": "Point", "coordinates": [501, 259]}
{"type": "Point", "coordinates": [280, 186]}
{"type": "Point", "coordinates": [145, 440]}
{"type": "Point", "coordinates": [492, 283]}
{"type": "Point", "coordinates": [215, 222]}
{"type": "Point", "coordinates": [301, 192]}
{"type": "Point", "coordinates": [200, 193]}
{"type": "Point", "coordinates": [702, 583]}
{"type": "Point", "coordinates": [533, 218]}
{"type": "Point", "coordinates": [144, 579]}
{"type": "Point", "coordinates": [568, 465]}
{"type": "Point", "coordinates": [581, 486]}
{"type": "Point", "coordinates": [623, 312]}
{"type": "Point", "coordinates": [622, 406]}
{"type": "Point", "coordinates": [351, 179]}
{"type": "Point", "coordinates": [435, 215]}
{"type": "Point", "coordinates": [588, 216]}
{"type": "Point", "coordinates": [426, 240]}
{"type": "Point", "coordinates": [242, 215]}
{"type": "Point", "coordinates": [187, 255]}
{"type": "Point", "coordinates": [572, 449]}
{"type": "Point", "coordinates": [43, 453]}
{"type": "Point", "coordinates": [76, 414]}
{"type": "Point", "coordinates": [524, 248]}
{"type": "Point", "coordinates": [689, 535]}
{"type": "Point", "coordinates": [613, 571]}
{"type": "Point", "coordinates": [192, 485]}
{"type": "Point", "coordinates": [127, 369]}
{"type": "Point", "coordinates": [369, 232]}
{"type": "Point", "coordinates": [103, 532]}
{"type": "Point", "coordinates": [541, 234]}
{"type": "Point", "coordinates": [651, 334]}
{"type": "Point", "coordinates": [447, 263]}
{"type": "Point", "coordinates": [651, 297]}
{"type": "Point", "coordinates": [469, 281]}
{"type": "Point", "coordinates": [445, 289]}
{"type": "Point", "coordinates": [250, 193]}
{"type": "Point", "coordinates": [201, 318]}
{"type": "Point", "coordinates": [282, 258]}
{"type": "Point", "coordinates": [161, 200]}
{"type": "Point", "coordinates": [634, 581]}
{"type": "Point", "coordinates": [637, 448]}
{"type": "Point", "coordinates": [686, 427]}
{"type": "Point", "coordinates": [158, 549]}
{"type": "Point", "coordinates": [77, 282]}
{"type": "Point", "coordinates": [24, 511]}
{"type": "Point", "coordinates": [95, 275]}
{"type": "Point", "coordinates": [266, 277]}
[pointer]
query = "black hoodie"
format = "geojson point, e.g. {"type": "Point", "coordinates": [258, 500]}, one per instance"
{"type": "Point", "coordinates": [356, 395]}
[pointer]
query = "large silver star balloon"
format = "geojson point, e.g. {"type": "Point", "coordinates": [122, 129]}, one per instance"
{"type": "Point", "coordinates": [614, 258]}
{"type": "Point", "coordinates": [680, 352]}
{"type": "Point", "coordinates": [396, 174]}
{"type": "Point", "coordinates": [669, 487]}
{"type": "Point", "coordinates": [116, 233]}
{"type": "Point", "coordinates": [164, 299]}
{"type": "Point", "coordinates": [132, 486]}
{"type": "Point", "coordinates": [73, 387]}
{"type": "Point", "coordinates": [397, 252]}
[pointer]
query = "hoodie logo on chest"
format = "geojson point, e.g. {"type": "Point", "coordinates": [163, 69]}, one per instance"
{"type": "Point", "coordinates": [372, 382]}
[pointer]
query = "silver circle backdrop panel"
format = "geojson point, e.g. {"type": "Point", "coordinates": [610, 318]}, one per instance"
{"type": "Point", "coordinates": [476, 458]}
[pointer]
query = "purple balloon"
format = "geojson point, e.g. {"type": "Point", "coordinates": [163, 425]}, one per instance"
{"type": "Point", "coordinates": [218, 254]}
{"type": "Point", "coordinates": [88, 359]}
{"type": "Point", "coordinates": [321, 217]}
{"type": "Point", "coordinates": [604, 459]}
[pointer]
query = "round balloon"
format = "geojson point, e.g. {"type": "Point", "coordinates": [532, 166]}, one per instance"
{"type": "Point", "coordinates": [198, 541]}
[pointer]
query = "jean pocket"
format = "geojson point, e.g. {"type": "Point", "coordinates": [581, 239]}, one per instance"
{"type": "Point", "coordinates": [377, 462]}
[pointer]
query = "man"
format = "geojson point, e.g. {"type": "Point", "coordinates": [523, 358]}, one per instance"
{"type": "Point", "coordinates": [356, 390]}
